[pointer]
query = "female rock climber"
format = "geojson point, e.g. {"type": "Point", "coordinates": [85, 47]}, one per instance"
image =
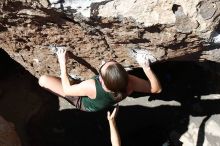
{"type": "Point", "coordinates": [112, 84]}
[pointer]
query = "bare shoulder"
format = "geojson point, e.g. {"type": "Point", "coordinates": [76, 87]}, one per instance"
{"type": "Point", "coordinates": [89, 87]}
{"type": "Point", "coordinates": [87, 84]}
{"type": "Point", "coordinates": [138, 84]}
{"type": "Point", "coordinates": [133, 78]}
{"type": "Point", "coordinates": [89, 81]}
{"type": "Point", "coordinates": [132, 81]}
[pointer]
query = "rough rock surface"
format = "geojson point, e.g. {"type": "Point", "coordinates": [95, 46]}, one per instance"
{"type": "Point", "coordinates": [169, 30]}
{"type": "Point", "coordinates": [101, 30]}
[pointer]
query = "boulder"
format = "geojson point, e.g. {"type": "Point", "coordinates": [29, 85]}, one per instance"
{"type": "Point", "coordinates": [100, 30]}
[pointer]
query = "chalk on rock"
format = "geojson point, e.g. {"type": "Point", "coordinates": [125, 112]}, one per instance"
{"type": "Point", "coordinates": [141, 55]}
{"type": "Point", "coordinates": [76, 77]}
{"type": "Point", "coordinates": [216, 39]}
{"type": "Point", "coordinates": [55, 48]}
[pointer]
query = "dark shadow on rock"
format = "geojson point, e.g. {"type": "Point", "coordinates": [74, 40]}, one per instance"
{"type": "Point", "coordinates": [201, 133]}
{"type": "Point", "coordinates": [184, 82]}
{"type": "Point", "coordinates": [49, 15]}
{"type": "Point", "coordinates": [184, 79]}
{"type": "Point", "coordinates": [83, 62]}
{"type": "Point", "coordinates": [21, 96]}
{"type": "Point", "coordinates": [34, 111]}
{"type": "Point", "coordinates": [137, 125]}
{"type": "Point", "coordinates": [187, 82]}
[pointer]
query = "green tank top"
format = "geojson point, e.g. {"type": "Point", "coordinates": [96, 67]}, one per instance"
{"type": "Point", "coordinates": [103, 99]}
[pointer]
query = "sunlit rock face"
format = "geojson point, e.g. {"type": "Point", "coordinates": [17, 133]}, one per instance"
{"type": "Point", "coordinates": [8, 135]}
{"type": "Point", "coordinates": [202, 130]}
{"type": "Point", "coordinates": [96, 30]}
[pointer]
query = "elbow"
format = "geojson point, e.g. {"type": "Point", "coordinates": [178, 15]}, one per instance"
{"type": "Point", "coordinates": [157, 90]}
{"type": "Point", "coordinates": [65, 92]}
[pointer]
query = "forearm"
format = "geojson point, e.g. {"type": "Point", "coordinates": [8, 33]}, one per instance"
{"type": "Point", "coordinates": [115, 137]}
{"type": "Point", "coordinates": [154, 82]}
{"type": "Point", "coordinates": [65, 80]}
